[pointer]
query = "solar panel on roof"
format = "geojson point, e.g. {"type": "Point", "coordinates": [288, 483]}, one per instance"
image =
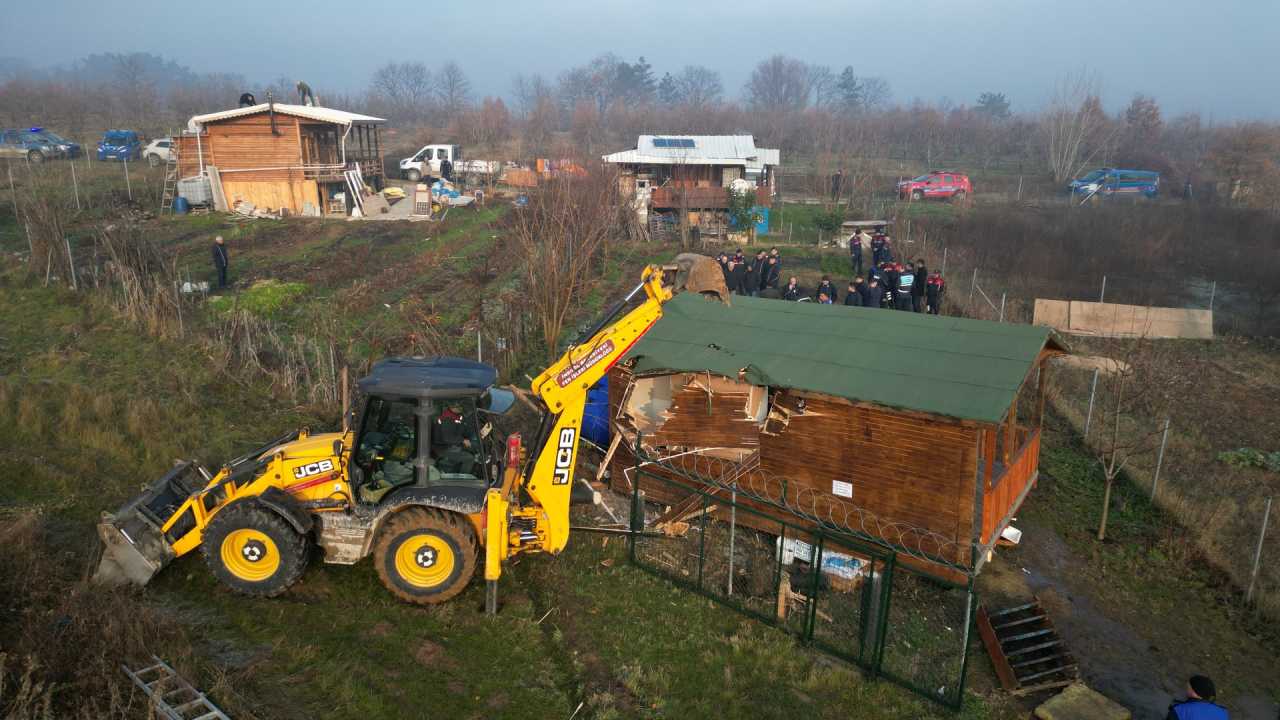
{"type": "Point", "coordinates": [673, 142]}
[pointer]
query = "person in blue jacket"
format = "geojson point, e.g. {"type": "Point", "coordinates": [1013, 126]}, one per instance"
{"type": "Point", "coordinates": [1199, 704]}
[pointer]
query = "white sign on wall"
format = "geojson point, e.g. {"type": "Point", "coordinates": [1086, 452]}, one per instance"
{"type": "Point", "coordinates": [841, 488]}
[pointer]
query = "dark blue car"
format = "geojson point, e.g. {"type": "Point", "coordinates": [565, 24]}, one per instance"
{"type": "Point", "coordinates": [120, 145]}
{"type": "Point", "coordinates": [70, 149]}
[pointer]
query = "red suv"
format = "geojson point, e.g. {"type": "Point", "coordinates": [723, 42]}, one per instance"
{"type": "Point", "coordinates": [938, 184]}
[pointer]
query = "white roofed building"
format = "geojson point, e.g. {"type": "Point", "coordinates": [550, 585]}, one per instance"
{"type": "Point", "coordinates": [670, 174]}
{"type": "Point", "coordinates": [279, 156]}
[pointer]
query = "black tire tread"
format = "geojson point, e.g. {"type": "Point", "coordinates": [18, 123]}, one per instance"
{"type": "Point", "coordinates": [249, 514]}
{"type": "Point", "coordinates": [447, 523]}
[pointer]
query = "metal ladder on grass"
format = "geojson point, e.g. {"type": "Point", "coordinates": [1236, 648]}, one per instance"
{"type": "Point", "coordinates": [171, 695]}
{"type": "Point", "coordinates": [170, 177]}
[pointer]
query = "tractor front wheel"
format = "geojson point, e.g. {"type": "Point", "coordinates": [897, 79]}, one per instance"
{"type": "Point", "coordinates": [253, 550]}
{"type": "Point", "coordinates": [426, 556]}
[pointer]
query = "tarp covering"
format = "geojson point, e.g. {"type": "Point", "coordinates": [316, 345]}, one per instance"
{"type": "Point", "coordinates": [961, 368]}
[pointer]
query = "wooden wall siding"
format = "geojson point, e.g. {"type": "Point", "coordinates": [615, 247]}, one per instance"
{"type": "Point", "coordinates": [710, 412]}
{"type": "Point", "coordinates": [247, 143]}
{"type": "Point", "coordinates": [1000, 495]}
{"type": "Point", "coordinates": [902, 468]}
{"type": "Point", "coordinates": [273, 195]}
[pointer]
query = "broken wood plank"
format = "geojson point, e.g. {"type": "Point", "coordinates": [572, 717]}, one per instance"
{"type": "Point", "coordinates": [608, 456]}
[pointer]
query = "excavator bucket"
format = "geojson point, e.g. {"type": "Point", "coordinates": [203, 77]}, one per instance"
{"type": "Point", "coordinates": [700, 274]}
{"type": "Point", "coordinates": [133, 547]}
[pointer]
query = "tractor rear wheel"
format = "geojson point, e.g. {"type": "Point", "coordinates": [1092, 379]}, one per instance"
{"type": "Point", "coordinates": [426, 556]}
{"type": "Point", "coordinates": [916, 195]}
{"type": "Point", "coordinates": [254, 550]}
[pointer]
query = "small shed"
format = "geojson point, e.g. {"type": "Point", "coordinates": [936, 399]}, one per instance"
{"type": "Point", "coordinates": [282, 156]}
{"type": "Point", "coordinates": [919, 433]}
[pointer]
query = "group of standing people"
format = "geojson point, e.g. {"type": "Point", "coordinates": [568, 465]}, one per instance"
{"type": "Point", "coordinates": [757, 276]}
{"type": "Point", "coordinates": [891, 285]}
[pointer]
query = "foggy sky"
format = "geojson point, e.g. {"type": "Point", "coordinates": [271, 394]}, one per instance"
{"type": "Point", "coordinates": [1216, 57]}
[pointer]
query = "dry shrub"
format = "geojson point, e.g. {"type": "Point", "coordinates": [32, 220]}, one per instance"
{"type": "Point", "coordinates": [6, 396]}
{"type": "Point", "coordinates": [72, 635]}
{"type": "Point", "coordinates": [104, 406]}
{"type": "Point", "coordinates": [23, 696]}
{"type": "Point", "coordinates": [141, 416]}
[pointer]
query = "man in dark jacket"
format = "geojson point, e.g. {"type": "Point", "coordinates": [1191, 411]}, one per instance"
{"type": "Point", "coordinates": [825, 287]}
{"type": "Point", "coordinates": [792, 291]}
{"type": "Point", "coordinates": [758, 274]}
{"type": "Point", "coordinates": [877, 248]}
{"type": "Point", "coordinates": [1199, 704]}
{"type": "Point", "coordinates": [737, 277]}
{"type": "Point", "coordinates": [861, 286]}
{"type": "Point", "coordinates": [933, 291]}
{"type": "Point", "coordinates": [855, 252]}
{"type": "Point", "coordinates": [723, 261]}
{"type": "Point", "coordinates": [875, 294]}
{"type": "Point", "coordinates": [220, 261]}
{"type": "Point", "coordinates": [889, 281]}
{"type": "Point", "coordinates": [853, 298]}
{"type": "Point", "coordinates": [772, 272]}
{"type": "Point", "coordinates": [247, 100]}
{"type": "Point", "coordinates": [917, 290]}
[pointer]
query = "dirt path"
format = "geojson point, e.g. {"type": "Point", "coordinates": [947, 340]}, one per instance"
{"type": "Point", "coordinates": [1137, 659]}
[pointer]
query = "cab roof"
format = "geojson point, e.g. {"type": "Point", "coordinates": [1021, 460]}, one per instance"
{"type": "Point", "coordinates": [433, 377]}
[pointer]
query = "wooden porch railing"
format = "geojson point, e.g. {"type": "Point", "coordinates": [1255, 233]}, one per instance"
{"type": "Point", "coordinates": [1007, 486]}
{"type": "Point", "coordinates": [696, 198]}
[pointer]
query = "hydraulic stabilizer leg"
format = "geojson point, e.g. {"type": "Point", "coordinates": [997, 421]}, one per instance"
{"type": "Point", "coordinates": [495, 547]}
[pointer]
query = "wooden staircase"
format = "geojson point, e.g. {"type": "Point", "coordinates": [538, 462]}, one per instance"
{"type": "Point", "coordinates": [1026, 649]}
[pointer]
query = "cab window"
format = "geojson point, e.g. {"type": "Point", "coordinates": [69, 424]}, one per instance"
{"type": "Point", "coordinates": [458, 445]}
{"type": "Point", "coordinates": [388, 443]}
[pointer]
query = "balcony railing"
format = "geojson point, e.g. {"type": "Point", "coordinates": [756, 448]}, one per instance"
{"type": "Point", "coordinates": [696, 198]}
{"type": "Point", "coordinates": [1009, 482]}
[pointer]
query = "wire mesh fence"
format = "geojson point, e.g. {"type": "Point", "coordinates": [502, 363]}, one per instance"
{"type": "Point", "coordinates": [840, 593]}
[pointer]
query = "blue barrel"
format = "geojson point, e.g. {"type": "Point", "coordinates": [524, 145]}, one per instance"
{"type": "Point", "coordinates": [595, 417]}
{"type": "Point", "coordinates": [762, 227]}
{"type": "Point", "coordinates": [181, 206]}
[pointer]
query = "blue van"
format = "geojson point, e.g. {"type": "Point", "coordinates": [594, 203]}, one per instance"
{"type": "Point", "coordinates": [120, 145]}
{"type": "Point", "coordinates": [1114, 181]}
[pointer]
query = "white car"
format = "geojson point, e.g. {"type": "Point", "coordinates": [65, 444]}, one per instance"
{"type": "Point", "coordinates": [158, 151]}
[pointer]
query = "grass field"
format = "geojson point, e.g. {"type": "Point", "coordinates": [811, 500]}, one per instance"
{"type": "Point", "coordinates": [91, 407]}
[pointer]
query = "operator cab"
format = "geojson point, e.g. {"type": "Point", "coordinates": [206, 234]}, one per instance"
{"type": "Point", "coordinates": [426, 424]}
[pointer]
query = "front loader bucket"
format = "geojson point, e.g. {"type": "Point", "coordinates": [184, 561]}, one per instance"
{"type": "Point", "coordinates": [133, 547]}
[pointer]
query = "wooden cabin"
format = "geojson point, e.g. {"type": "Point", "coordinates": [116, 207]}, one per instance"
{"type": "Point", "coordinates": [916, 432]}
{"type": "Point", "coordinates": [282, 156]}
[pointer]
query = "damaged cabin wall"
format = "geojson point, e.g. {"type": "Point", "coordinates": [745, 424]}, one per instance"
{"type": "Point", "coordinates": [911, 469]}
{"type": "Point", "coordinates": [908, 468]}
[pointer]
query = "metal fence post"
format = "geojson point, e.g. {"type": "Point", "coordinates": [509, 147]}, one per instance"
{"type": "Point", "coordinates": [1102, 295]}
{"type": "Point", "coordinates": [75, 186]}
{"type": "Point", "coordinates": [127, 185]}
{"type": "Point", "coordinates": [1213, 292]}
{"type": "Point", "coordinates": [972, 284]}
{"type": "Point", "coordinates": [944, 263]}
{"type": "Point", "coordinates": [1155, 480]}
{"type": "Point", "coordinates": [1257, 554]}
{"type": "Point", "coordinates": [1002, 296]}
{"type": "Point", "coordinates": [733, 530]}
{"type": "Point", "coordinates": [1088, 419]}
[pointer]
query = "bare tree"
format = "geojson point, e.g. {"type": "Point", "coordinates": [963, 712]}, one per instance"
{"type": "Point", "coordinates": [1072, 123]}
{"type": "Point", "coordinates": [559, 238]}
{"type": "Point", "coordinates": [1134, 397]}
{"type": "Point", "coordinates": [698, 86]}
{"type": "Point", "coordinates": [454, 88]}
{"type": "Point", "coordinates": [780, 83]}
{"type": "Point", "coordinates": [824, 87]}
{"type": "Point", "coordinates": [407, 88]}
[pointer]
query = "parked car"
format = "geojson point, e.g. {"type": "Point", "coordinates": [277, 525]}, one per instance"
{"type": "Point", "coordinates": [1107, 182]}
{"type": "Point", "coordinates": [120, 145]}
{"type": "Point", "coordinates": [939, 184]}
{"type": "Point", "coordinates": [69, 149]}
{"type": "Point", "coordinates": [27, 145]}
{"type": "Point", "coordinates": [158, 151]}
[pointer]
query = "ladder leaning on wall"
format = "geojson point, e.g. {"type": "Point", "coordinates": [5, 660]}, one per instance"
{"type": "Point", "coordinates": [170, 177]}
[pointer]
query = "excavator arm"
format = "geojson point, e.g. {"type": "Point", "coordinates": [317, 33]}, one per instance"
{"type": "Point", "coordinates": [538, 518]}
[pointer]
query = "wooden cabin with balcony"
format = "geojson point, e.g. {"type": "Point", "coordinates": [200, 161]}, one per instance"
{"type": "Point", "coordinates": [919, 434]}
{"type": "Point", "coordinates": [278, 156]}
{"type": "Point", "coordinates": [692, 174]}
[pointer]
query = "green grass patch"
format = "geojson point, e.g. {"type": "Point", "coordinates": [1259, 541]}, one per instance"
{"type": "Point", "coordinates": [265, 298]}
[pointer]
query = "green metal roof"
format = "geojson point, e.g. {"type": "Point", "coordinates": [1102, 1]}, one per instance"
{"type": "Point", "coordinates": [968, 369]}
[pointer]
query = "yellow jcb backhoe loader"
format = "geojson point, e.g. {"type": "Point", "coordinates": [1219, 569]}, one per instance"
{"type": "Point", "coordinates": [419, 484]}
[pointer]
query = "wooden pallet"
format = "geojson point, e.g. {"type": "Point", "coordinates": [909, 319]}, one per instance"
{"type": "Point", "coordinates": [1026, 649]}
